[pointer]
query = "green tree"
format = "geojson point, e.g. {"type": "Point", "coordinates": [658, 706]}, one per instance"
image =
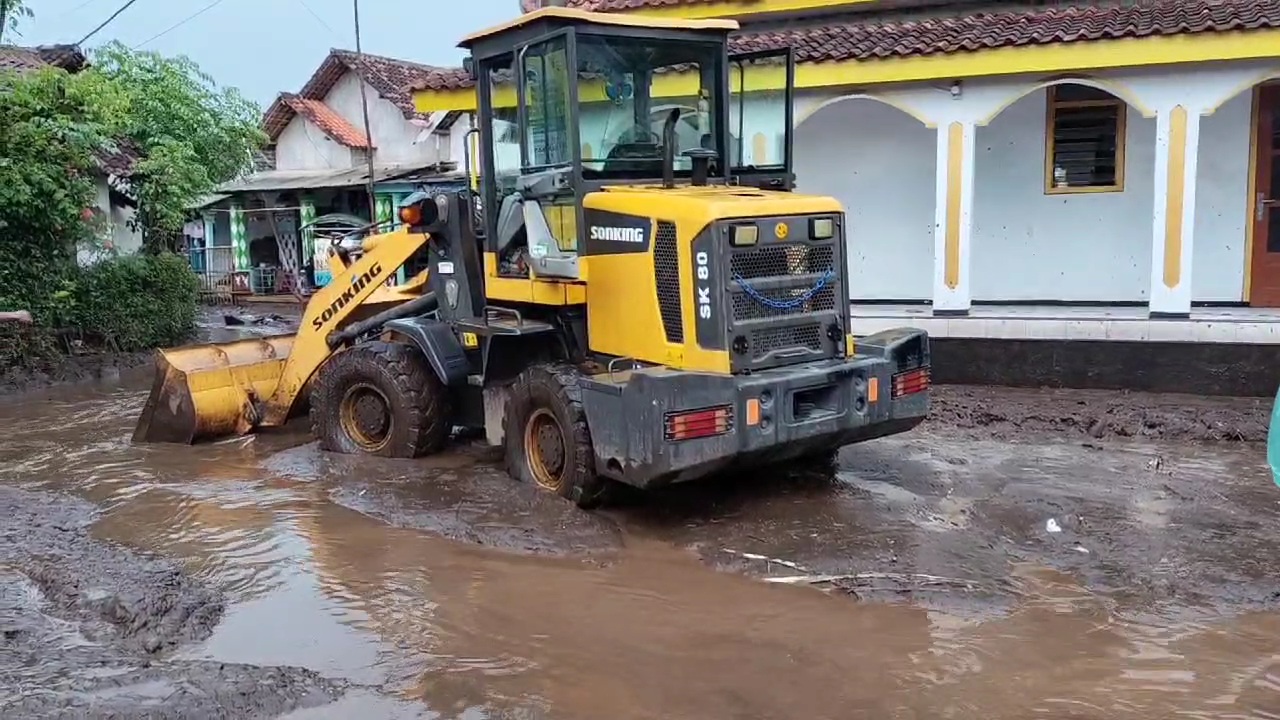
{"type": "Point", "coordinates": [192, 134]}
{"type": "Point", "coordinates": [12, 12]}
{"type": "Point", "coordinates": [53, 125]}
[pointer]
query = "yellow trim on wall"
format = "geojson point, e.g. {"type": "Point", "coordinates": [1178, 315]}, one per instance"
{"type": "Point", "coordinates": [1251, 203]}
{"type": "Point", "coordinates": [1052, 105]}
{"type": "Point", "coordinates": [1056, 58]}
{"type": "Point", "coordinates": [1049, 83]}
{"type": "Point", "coordinates": [565, 14]}
{"type": "Point", "coordinates": [1174, 199]}
{"type": "Point", "coordinates": [803, 114]}
{"type": "Point", "coordinates": [738, 8]}
{"type": "Point", "coordinates": [955, 189]}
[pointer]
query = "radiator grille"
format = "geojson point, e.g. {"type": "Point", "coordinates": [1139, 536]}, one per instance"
{"type": "Point", "coordinates": [666, 271]}
{"type": "Point", "coordinates": [775, 260]}
{"type": "Point", "coordinates": [783, 280]}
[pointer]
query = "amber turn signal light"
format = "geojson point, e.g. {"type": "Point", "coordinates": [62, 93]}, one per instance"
{"type": "Point", "coordinates": [411, 214]}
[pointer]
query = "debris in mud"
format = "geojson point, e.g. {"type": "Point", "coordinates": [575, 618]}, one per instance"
{"type": "Point", "coordinates": [248, 319]}
{"type": "Point", "coordinates": [851, 583]}
{"type": "Point", "coordinates": [1014, 413]}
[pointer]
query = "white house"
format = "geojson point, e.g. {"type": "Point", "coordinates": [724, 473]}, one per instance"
{"type": "Point", "coordinates": [113, 208]}
{"type": "Point", "coordinates": [1118, 154]}
{"type": "Point", "coordinates": [319, 157]}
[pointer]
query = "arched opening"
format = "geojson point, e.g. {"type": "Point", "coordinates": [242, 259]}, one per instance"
{"type": "Point", "coordinates": [1063, 201]}
{"type": "Point", "coordinates": [1236, 254]}
{"type": "Point", "coordinates": [879, 162]}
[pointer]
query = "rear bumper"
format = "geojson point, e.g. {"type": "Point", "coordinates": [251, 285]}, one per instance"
{"type": "Point", "coordinates": [803, 409]}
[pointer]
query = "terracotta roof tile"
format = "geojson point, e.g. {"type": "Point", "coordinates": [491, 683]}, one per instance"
{"type": "Point", "coordinates": [330, 122]}
{"type": "Point", "coordinates": [930, 36]}
{"type": "Point", "coordinates": [16, 58]}
{"type": "Point", "coordinates": [67, 57]}
{"type": "Point", "coordinates": [119, 158]}
{"type": "Point", "coordinates": [389, 76]}
{"type": "Point", "coordinates": [873, 38]}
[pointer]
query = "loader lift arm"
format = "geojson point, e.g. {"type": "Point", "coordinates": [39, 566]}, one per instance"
{"type": "Point", "coordinates": [203, 392]}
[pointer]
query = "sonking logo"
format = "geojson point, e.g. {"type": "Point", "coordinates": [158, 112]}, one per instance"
{"type": "Point", "coordinates": [372, 275]}
{"type": "Point", "coordinates": [617, 234]}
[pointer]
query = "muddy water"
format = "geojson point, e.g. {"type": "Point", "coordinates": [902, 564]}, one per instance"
{"type": "Point", "coordinates": [440, 588]}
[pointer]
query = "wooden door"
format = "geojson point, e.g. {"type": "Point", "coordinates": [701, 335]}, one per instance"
{"type": "Point", "coordinates": [1265, 264]}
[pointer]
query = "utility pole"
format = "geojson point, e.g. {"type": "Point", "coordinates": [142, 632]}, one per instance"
{"type": "Point", "coordinates": [364, 109]}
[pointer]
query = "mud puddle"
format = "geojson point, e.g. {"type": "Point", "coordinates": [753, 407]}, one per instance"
{"type": "Point", "coordinates": [933, 575]}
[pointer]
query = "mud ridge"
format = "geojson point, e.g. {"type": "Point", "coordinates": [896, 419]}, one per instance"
{"type": "Point", "coordinates": [85, 628]}
{"type": "Point", "coordinates": [1014, 413]}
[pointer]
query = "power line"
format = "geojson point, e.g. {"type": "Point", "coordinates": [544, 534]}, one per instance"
{"type": "Point", "coordinates": [306, 6]}
{"type": "Point", "coordinates": [180, 23]}
{"type": "Point", "coordinates": [106, 22]}
{"type": "Point", "coordinates": [364, 110]}
{"type": "Point", "coordinates": [76, 9]}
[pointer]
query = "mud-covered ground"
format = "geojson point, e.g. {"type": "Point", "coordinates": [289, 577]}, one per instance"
{"type": "Point", "coordinates": [87, 628]}
{"type": "Point", "coordinates": [1023, 554]}
{"type": "Point", "coordinates": [95, 364]}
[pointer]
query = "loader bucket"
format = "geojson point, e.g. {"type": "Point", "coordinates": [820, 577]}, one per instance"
{"type": "Point", "coordinates": [205, 392]}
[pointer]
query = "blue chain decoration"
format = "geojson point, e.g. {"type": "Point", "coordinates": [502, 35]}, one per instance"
{"type": "Point", "coordinates": [791, 304]}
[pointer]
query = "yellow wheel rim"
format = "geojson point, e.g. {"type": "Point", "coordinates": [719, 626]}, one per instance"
{"type": "Point", "coordinates": [546, 449]}
{"type": "Point", "coordinates": [365, 415]}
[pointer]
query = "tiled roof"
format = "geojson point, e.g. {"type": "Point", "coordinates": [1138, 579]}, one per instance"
{"type": "Point", "coordinates": [323, 117]}
{"type": "Point", "coordinates": [389, 77]}
{"type": "Point", "coordinates": [120, 158]}
{"type": "Point", "coordinates": [883, 38]}
{"type": "Point", "coordinates": [1013, 28]}
{"type": "Point", "coordinates": [444, 79]}
{"type": "Point", "coordinates": [67, 57]}
{"type": "Point", "coordinates": [16, 58]}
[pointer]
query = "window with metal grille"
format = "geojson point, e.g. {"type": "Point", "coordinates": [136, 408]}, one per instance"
{"type": "Point", "coordinates": [1084, 140]}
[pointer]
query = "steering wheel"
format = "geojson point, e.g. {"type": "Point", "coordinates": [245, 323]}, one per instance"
{"type": "Point", "coordinates": [639, 135]}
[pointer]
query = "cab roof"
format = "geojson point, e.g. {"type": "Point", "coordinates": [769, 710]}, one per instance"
{"type": "Point", "coordinates": [567, 16]}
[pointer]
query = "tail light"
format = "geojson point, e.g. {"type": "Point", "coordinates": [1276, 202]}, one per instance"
{"type": "Point", "coordinates": [693, 424]}
{"type": "Point", "coordinates": [910, 382]}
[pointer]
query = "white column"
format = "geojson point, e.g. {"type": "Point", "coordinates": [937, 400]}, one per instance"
{"type": "Point", "coordinates": [1173, 216]}
{"type": "Point", "coordinates": [953, 217]}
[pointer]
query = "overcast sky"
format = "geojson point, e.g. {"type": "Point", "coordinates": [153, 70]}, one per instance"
{"type": "Point", "coordinates": [265, 46]}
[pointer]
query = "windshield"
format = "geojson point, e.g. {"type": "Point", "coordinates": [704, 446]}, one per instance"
{"type": "Point", "coordinates": [627, 89]}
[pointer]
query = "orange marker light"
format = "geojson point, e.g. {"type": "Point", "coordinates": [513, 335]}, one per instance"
{"type": "Point", "coordinates": [411, 214]}
{"type": "Point", "coordinates": [873, 390]}
{"type": "Point", "coordinates": [753, 412]}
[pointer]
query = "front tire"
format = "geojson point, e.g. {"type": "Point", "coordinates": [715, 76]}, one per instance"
{"type": "Point", "coordinates": [547, 439]}
{"type": "Point", "coordinates": [379, 398]}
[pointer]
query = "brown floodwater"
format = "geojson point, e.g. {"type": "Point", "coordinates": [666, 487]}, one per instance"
{"type": "Point", "coordinates": [440, 588]}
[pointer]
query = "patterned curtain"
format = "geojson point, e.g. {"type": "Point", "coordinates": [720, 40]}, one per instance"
{"type": "Point", "coordinates": [239, 239]}
{"type": "Point", "coordinates": [307, 215]}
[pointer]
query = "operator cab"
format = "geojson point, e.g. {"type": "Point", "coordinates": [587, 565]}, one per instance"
{"type": "Point", "coordinates": [606, 100]}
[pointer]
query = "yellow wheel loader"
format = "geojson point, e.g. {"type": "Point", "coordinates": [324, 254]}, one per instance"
{"type": "Point", "coordinates": [630, 293]}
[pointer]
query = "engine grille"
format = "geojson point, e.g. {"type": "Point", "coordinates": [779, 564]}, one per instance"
{"type": "Point", "coordinates": [783, 295]}
{"type": "Point", "coordinates": [666, 271]}
{"type": "Point", "coordinates": [781, 281]}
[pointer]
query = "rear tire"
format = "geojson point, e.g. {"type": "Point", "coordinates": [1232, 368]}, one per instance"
{"type": "Point", "coordinates": [547, 439]}
{"type": "Point", "coordinates": [379, 398]}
